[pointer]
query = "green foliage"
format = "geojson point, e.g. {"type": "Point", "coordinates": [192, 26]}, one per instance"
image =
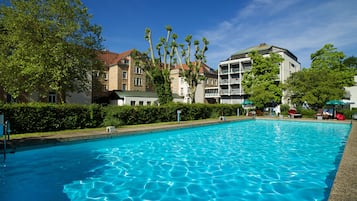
{"type": "Point", "coordinates": [158, 68]}
{"type": "Point", "coordinates": [347, 112]}
{"type": "Point", "coordinates": [129, 115]}
{"type": "Point", "coordinates": [350, 62]}
{"type": "Point", "coordinates": [40, 117]}
{"type": "Point", "coordinates": [158, 62]}
{"type": "Point", "coordinates": [47, 45]}
{"type": "Point", "coordinates": [261, 83]}
{"type": "Point", "coordinates": [325, 80]}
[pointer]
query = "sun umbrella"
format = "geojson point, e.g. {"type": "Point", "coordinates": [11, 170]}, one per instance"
{"type": "Point", "coordinates": [247, 102]}
{"type": "Point", "coordinates": [335, 102]}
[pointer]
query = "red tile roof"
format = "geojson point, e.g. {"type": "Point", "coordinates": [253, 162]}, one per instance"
{"type": "Point", "coordinates": [111, 58]}
{"type": "Point", "coordinates": [203, 69]}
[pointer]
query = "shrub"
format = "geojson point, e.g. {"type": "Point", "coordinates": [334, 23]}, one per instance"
{"type": "Point", "coordinates": [40, 117]}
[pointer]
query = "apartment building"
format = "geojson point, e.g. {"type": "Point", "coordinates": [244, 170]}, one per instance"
{"type": "Point", "coordinates": [230, 71]}
{"type": "Point", "coordinates": [120, 73]}
{"type": "Point", "coordinates": [207, 89]}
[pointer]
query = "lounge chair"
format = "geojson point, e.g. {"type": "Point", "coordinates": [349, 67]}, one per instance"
{"type": "Point", "coordinates": [293, 114]}
{"type": "Point", "coordinates": [319, 114]}
{"type": "Point", "coordinates": [324, 114]}
{"type": "Point", "coordinates": [340, 116]}
{"type": "Point", "coordinates": [327, 113]}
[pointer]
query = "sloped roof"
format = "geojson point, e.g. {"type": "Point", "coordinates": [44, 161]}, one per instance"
{"type": "Point", "coordinates": [260, 47]}
{"type": "Point", "coordinates": [263, 47]}
{"type": "Point", "coordinates": [111, 58]}
{"type": "Point", "coordinates": [203, 69]}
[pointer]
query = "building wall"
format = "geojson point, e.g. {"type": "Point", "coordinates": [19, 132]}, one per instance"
{"type": "Point", "coordinates": [113, 79]}
{"type": "Point", "coordinates": [179, 85]}
{"type": "Point", "coordinates": [352, 91]}
{"type": "Point", "coordinates": [135, 73]}
{"type": "Point", "coordinates": [230, 75]}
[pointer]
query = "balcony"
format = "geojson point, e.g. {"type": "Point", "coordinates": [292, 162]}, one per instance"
{"type": "Point", "coordinates": [236, 91]}
{"type": "Point", "coordinates": [235, 81]}
{"type": "Point", "coordinates": [224, 71]}
{"type": "Point", "coordinates": [212, 95]}
{"type": "Point", "coordinates": [224, 92]}
{"type": "Point", "coordinates": [223, 82]}
{"type": "Point", "coordinates": [234, 70]}
{"type": "Point", "coordinates": [211, 92]}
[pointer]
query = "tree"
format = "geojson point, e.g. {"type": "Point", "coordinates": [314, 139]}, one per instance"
{"type": "Point", "coordinates": [351, 62]}
{"type": "Point", "coordinates": [316, 86]}
{"type": "Point", "coordinates": [167, 50]}
{"type": "Point", "coordinates": [325, 80]}
{"type": "Point", "coordinates": [47, 45]}
{"type": "Point", "coordinates": [192, 75]}
{"type": "Point", "coordinates": [158, 68]}
{"type": "Point", "coordinates": [261, 83]}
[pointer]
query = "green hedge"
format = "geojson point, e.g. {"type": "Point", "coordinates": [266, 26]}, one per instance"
{"type": "Point", "coordinates": [40, 117]}
{"type": "Point", "coordinates": [129, 115]}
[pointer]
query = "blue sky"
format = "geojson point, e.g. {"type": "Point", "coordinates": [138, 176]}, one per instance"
{"type": "Point", "coordinates": [301, 26]}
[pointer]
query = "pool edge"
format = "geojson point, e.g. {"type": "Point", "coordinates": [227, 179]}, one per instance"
{"type": "Point", "coordinates": [345, 184]}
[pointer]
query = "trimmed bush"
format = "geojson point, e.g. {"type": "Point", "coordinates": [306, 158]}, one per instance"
{"type": "Point", "coordinates": [41, 117]}
{"type": "Point", "coordinates": [131, 115]}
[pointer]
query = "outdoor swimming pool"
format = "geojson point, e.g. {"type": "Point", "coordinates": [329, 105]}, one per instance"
{"type": "Point", "coordinates": [246, 160]}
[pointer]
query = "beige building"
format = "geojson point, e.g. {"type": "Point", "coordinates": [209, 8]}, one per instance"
{"type": "Point", "coordinates": [207, 89]}
{"type": "Point", "coordinates": [120, 73]}
{"type": "Point", "coordinates": [230, 71]}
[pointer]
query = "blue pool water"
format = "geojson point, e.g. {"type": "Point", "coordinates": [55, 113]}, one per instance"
{"type": "Point", "coordinates": [247, 160]}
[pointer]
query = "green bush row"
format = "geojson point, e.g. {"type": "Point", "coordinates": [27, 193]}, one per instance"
{"type": "Point", "coordinates": [41, 117]}
{"type": "Point", "coordinates": [128, 115]}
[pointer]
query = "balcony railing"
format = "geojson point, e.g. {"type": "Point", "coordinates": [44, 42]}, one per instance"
{"type": "Point", "coordinates": [224, 71]}
{"type": "Point", "coordinates": [235, 81]}
{"type": "Point", "coordinates": [224, 92]}
{"type": "Point", "coordinates": [223, 82]}
{"type": "Point", "coordinates": [236, 92]}
{"type": "Point", "coordinates": [234, 70]}
{"type": "Point", "coordinates": [210, 94]}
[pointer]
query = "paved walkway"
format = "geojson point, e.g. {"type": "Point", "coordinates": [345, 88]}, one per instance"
{"type": "Point", "coordinates": [344, 187]}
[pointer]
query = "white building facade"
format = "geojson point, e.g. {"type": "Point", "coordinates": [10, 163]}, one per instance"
{"type": "Point", "coordinates": [230, 72]}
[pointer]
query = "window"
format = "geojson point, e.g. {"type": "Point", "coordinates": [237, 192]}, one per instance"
{"type": "Point", "coordinates": [124, 87]}
{"type": "Point", "coordinates": [125, 75]}
{"type": "Point", "coordinates": [148, 103]}
{"type": "Point", "coordinates": [52, 97]}
{"type": "Point", "coordinates": [132, 103]}
{"type": "Point", "coordinates": [105, 76]}
{"type": "Point", "coordinates": [137, 81]}
{"type": "Point", "coordinates": [124, 61]}
{"type": "Point", "coordinates": [138, 70]}
{"type": "Point", "coordinates": [105, 87]}
{"type": "Point", "coordinates": [141, 102]}
{"type": "Point", "coordinates": [181, 91]}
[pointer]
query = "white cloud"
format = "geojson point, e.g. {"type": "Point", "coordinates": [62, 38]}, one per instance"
{"type": "Point", "coordinates": [302, 27]}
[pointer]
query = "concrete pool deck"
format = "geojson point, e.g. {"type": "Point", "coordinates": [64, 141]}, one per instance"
{"type": "Point", "coordinates": [345, 183]}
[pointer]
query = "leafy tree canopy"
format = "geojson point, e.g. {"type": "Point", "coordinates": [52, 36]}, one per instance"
{"type": "Point", "coordinates": [351, 62]}
{"type": "Point", "coordinates": [47, 45]}
{"type": "Point", "coordinates": [325, 80]}
{"type": "Point", "coordinates": [261, 83]}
